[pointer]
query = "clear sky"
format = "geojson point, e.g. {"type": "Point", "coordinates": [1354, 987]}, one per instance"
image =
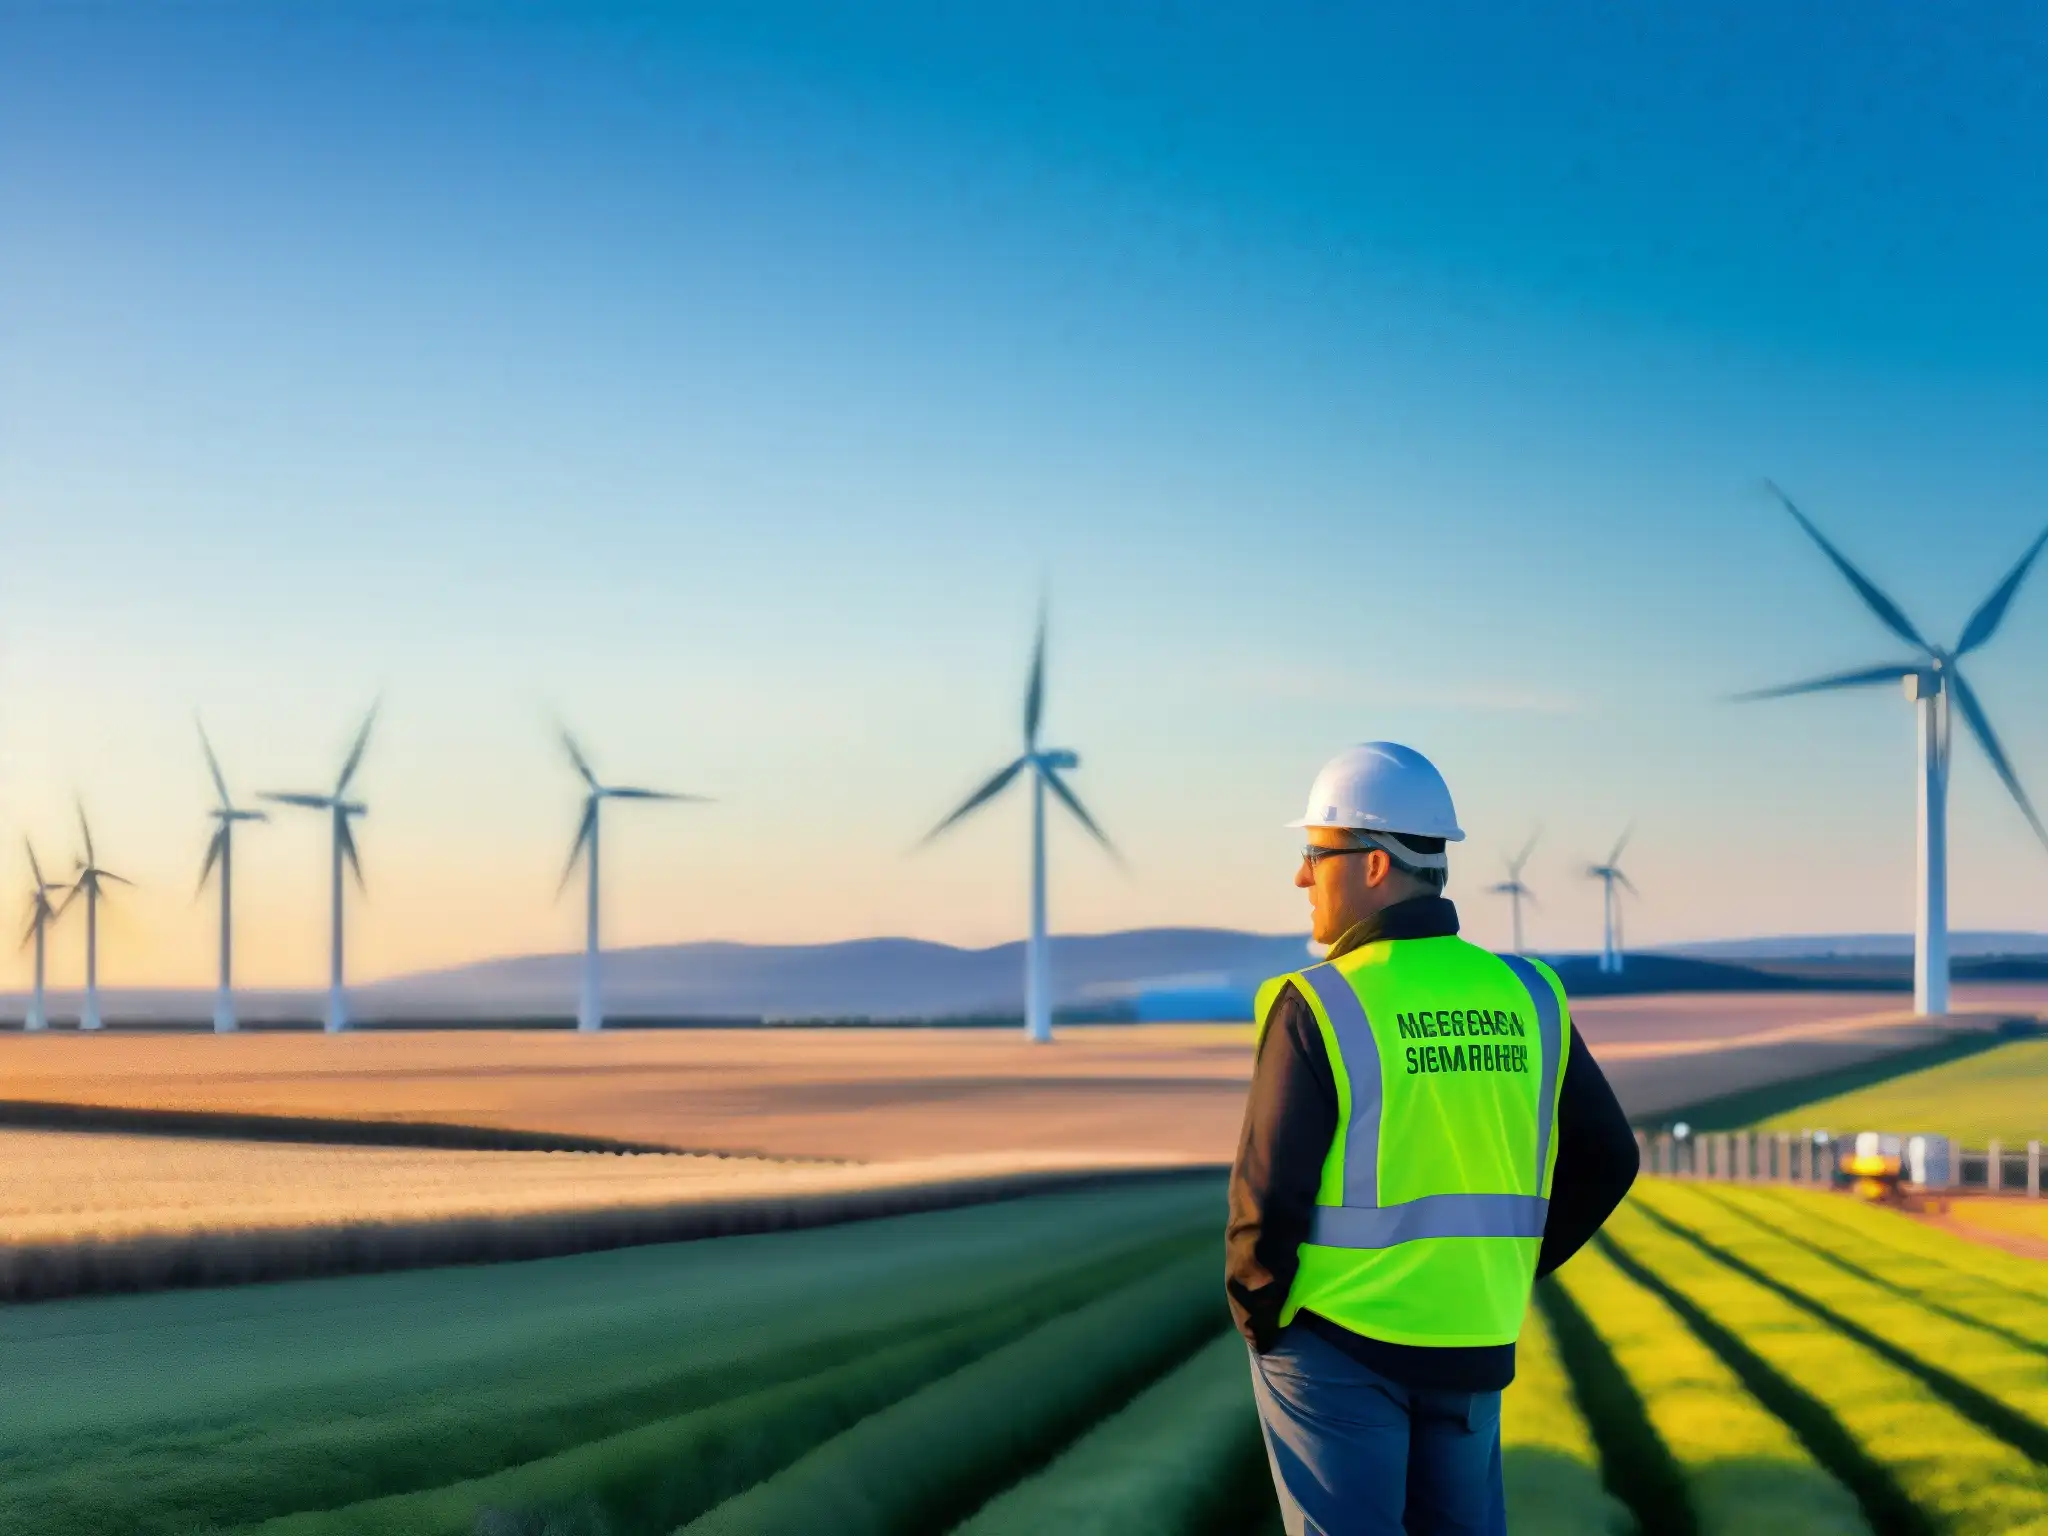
{"type": "Point", "coordinates": [728, 380]}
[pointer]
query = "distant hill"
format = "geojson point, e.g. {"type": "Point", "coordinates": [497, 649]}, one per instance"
{"type": "Point", "coordinates": [1859, 946]}
{"type": "Point", "coordinates": [1144, 973]}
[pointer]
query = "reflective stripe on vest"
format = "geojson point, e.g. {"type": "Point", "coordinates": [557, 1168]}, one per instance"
{"type": "Point", "coordinates": [1361, 1221]}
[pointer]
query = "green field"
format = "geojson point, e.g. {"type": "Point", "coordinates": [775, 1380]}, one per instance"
{"type": "Point", "coordinates": [2000, 1093]}
{"type": "Point", "coordinates": [1723, 1360]}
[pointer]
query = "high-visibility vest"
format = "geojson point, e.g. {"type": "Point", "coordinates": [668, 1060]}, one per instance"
{"type": "Point", "coordinates": [1448, 1062]}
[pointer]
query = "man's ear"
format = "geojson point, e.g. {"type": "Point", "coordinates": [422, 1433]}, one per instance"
{"type": "Point", "coordinates": [1377, 867]}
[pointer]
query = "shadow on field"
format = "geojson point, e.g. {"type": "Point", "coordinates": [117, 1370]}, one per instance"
{"type": "Point", "coordinates": [1884, 1503]}
{"type": "Point", "coordinates": [1634, 1462]}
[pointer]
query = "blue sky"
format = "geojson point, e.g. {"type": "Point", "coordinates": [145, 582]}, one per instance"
{"type": "Point", "coordinates": [729, 383]}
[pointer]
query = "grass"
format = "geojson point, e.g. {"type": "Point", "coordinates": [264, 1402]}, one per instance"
{"type": "Point", "coordinates": [195, 1410]}
{"type": "Point", "coordinates": [1547, 1455]}
{"type": "Point", "coordinates": [1740, 1469]}
{"type": "Point", "coordinates": [1981, 1370]}
{"type": "Point", "coordinates": [1999, 1093]}
{"type": "Point", "coordinates": [1184, 1458]}
{"type": "Point", "coordinates": [1789, 1104]}
{"type": "Point", "coordinates": [1915, 1463]}
{"type": "Point", "coordinates": [938, 1455]}
{"type": "Point", "coordinates": [1965, 1280]}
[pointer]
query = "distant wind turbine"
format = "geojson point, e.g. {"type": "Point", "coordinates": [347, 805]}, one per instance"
{"type": "Point", "coordinates": [1932, 678]}
{"type": "Point", "coordinates": [1514, 889]}
{"type": "Point", "coordinates": [42, 912]}
{"type": "Point", "coordinates": [341, 811]}
{"type": "Point", "coordinates": [89, 885]}
{"type": "Point", "coordinates": [1610, 874]}
{"type": "Point", "coordinates": [1046, 765]}
{"type": "Point", "coordinates": [590, 1006]}
{"type": "Point", "coordinates": [220, 854]}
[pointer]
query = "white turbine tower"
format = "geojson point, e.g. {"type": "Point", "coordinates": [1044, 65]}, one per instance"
{"type": "Point", "coordinates": [1932, 679]}
{"type": "Point", "coordinates": [42, 912]}
{"type": "Point", "coordinates": [1046, 765]}
{"type": "Point", "coordinates": [88, 884]}
{"type": "Point", "coordinates": [340, 811]}
{"type": "Point", "coordinates": [1610, 875]}
{"type": "Point", "coordinates": [590, 1005]}
{"type": "Point", "coordinates": [220, 854]}
{"type": "Point", "coordinates": [1514, 889]}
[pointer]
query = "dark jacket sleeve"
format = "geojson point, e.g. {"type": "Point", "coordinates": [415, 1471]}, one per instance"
{"type": "Point", "coordinates": [1290, 1120]}
{"type": "Point", "coordinates": [1596, 1158]}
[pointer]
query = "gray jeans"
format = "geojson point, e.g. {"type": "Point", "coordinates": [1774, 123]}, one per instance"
{"type": "Point", "coordinates": [1354, 1454]}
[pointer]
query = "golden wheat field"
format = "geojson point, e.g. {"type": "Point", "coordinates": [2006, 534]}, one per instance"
{"type": "Point", "coordinates": [63, 1186]}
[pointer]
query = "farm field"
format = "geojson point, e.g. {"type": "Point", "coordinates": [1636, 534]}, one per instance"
{"type": "Point", "coordinates": [66, 1186]}
{"type": "Point", "coordinates": [874, 1095]}
{"type": "Point", "coordinates": [1723, 1360]}
{"type": "Point", "coordinates": [2002, 1093]}
{"type": "Point", "coordinates": [884, 1095]}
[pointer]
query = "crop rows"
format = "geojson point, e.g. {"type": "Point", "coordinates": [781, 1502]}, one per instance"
{"type": "Point", "coordinates": [1721, 1361]}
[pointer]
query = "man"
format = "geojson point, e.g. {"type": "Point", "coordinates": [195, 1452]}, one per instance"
{"type": "Point", "coordinates": [1426, 1134]}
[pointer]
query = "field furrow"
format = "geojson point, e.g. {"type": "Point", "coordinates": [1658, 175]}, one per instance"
{"type": "Point", "coordinates": [1915, 1464]}
{"type": "Point", "coordinates": [1547, 1452]}
{"type": "Point", "coordinates": [1928, 1277]}
{"type": "Point", "coordinates": [938, 1455]}
{"type": "Point", "coordinates": [185, 1411]}
{"type": "Point", "coordinates": [1983, 1374]}
{"type": "Point", "coordinates": [1183, 1459]}
{"type": "Point", "coordinates": [1742, 1469]}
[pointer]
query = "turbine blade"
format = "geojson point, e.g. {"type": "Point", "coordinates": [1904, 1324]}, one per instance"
{"type": "Point", "coordinates": [108, 874]}
{"type": "Point", "coordinates": [1515, 864]}
{"type": "Point", "coordinates": [1058, 786]}
{"type": "Point", "coordinates": [85, 827]}
{"type": "Point", "coordinates": [1627, 883]}
{"type": "Point", "coordinates": [213, 853]}
{"type": "Point", "coordinates": [1034, 691]}
{"type": "Point", "coordinates": [1980, 727]}
{"type": "Point", "coordinates": [355, 752]}
{"type": "Point", "coordinates": [347, 841]}
{"type": "Point", "coordinates": [1614, 858]}
{"type": "Point", "coordinates": [65, 905]}
{"type": "Point", "coordinates": [213, 766]}
{"type": "Point", "coordinates": [1862, 677]}
{"type": "Point", "coordinates": [974, 802]}
{"type": "Point", "coordinates": [306, 802]}
{"type": "Point", "coordinates": [585, 830]}
{"type": "Point", "coordinates": [1985, 621]}
{"type": "Point", "coordinates": [656, 794]}
{"type": "Point", "coordinates": [34, 868]}
{"type": "Point", "coordinates": [576, 756]}
{"type": "Point", "coordinates": [1887, 611]}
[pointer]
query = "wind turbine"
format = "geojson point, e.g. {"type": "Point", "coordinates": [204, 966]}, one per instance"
{"type": "Point", "coordinates": [1610, 874]}
{"type": "Point", "coordinates": [1046, 765]}
{"type": "Point", "coordinates": [220, 853]}
{"type": "Point", "coordinates": [341, 811]}
{"type": "Point", "coordinates": [88, 885]}
{"type": "Point", "coordinates": [41, 914]}
{"type": "Point", "coordinates": [1514, 889]}
{"type": "Point", "coordinates": [1931, 679]}
{"type": "Point", "coordinates": [590, 1006]}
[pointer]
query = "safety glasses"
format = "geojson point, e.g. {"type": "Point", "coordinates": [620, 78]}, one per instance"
{"type": "Point", "coordinates": [1312, 855]}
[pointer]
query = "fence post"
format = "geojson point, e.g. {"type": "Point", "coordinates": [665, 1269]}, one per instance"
{"type": "Point", "coordinates": [1784, 1158]}
{"type": "Point", "coordinates": [2033, 1170]}
{"type": "Point", "coordinates": [1994, 1167]}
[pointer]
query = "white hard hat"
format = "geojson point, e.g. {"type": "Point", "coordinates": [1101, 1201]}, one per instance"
{"type": "Point", "coordinates": [1382, 786]}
